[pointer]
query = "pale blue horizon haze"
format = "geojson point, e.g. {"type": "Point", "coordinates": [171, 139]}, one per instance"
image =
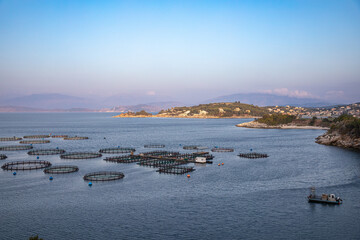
{"type": "Point", "coordinates": [180, 50]}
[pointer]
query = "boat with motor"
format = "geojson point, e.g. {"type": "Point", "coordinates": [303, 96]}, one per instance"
{"type": "Point", "coordinates": [324, 198]}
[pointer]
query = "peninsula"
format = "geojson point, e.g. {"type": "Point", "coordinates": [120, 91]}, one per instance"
{"type": "Point", "coordinates": [211, 110]}
{"type": "Point", "coordinates": [344, 132]}
{"type": "Point", "coordinates": [283, 121]}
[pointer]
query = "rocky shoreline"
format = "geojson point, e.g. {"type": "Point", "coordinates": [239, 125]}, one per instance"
{"type": "Point", "coordinates": [340, 140]}
{"type": "Point", "coordinates": [255, 124]}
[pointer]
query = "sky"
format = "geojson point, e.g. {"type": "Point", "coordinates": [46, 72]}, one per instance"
{"type": "Point", "coordinates": [180, 50]}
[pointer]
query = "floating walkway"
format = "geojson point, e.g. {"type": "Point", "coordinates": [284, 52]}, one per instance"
{"type": "Point", "coordinates": [253, 155]}
{"type": "Point", "coordinates": [26, 165]}
{"type": "Point", "coordinates": [46, 151]}
{"type": "Point", "coordinates": [104, 176]}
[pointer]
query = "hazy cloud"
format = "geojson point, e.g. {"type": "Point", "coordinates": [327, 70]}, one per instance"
{"type": "Point", "coordinates": [290, 93]}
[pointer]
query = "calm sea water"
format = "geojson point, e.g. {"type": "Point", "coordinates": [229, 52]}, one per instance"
{"type": "Point", "coordinates": [243, 199]}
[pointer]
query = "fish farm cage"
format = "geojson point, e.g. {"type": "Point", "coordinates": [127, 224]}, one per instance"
{"type": "Point", "coordinates": [75, 138]}
{"type": "Point", "coordinates": [175, 170]}
{"type": "Point", "coordinates": [26, 165]}
{"type": "Point", "coordinates": [103, 176]}
{"type": "Point", "coordinates": [126, 159]}
{"type": "Point", "coordinates": [160, 163]}
{"type": "Point", "coordinates": [5, 139]}
{"type": "Point", "coordinates": [61, 169]}
{"type": "Point", "coordinates": [159, 155]}
{"type": "Point", "coordinates": [34, 141]}
{"type": "Point", "coordinates": [222, 149]}
{"type": "Point", "coordinates": [37, 136]}
{"type": "Point", "coordinates": [154, 146]}
{"type": "Point", "coordinates": [59, 136]}
{"type": "Point", "coordinates": [16, 147]}
{"type": "Point", "coordinates": [80, 155]}
{"type": "Point", "coordinates": [3, 156]}
{"type": "Point", "coordinates": [117, 150]}
{"type": "Point", "coordinates": [253, 155]}
{"type": "Point", "coordinates": [190, 147]}
{"type": "Point", "coordinates": [46, 151]}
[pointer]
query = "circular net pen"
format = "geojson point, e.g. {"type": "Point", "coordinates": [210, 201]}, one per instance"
{"type": "Point", "coordinates": [80, 155]}
{"type": "Point", "coordinates": [59, 136]}
{"type": "Point", "coordinates": [3, 156]}
{"type": "Point", "coordinates": [61, 169]}
{"type": "Point", "coordinates": [190, 147]}
{"type": "Point", "coordinates": [154, 146]}
{"type": "Point", "coordinates": [37, 136]}
{"type": "Point", "coordinates": [222, 150]}
{"type": "Point", "coordinates": [75, 138]}
{"type": "Point", "coordinates": [25, 165]}
{"type": "Point", "coordinates": [253, 155]}
{"type": "Point", "coordinates": [5, 139]}
{"type": "Point", "coordinates": [194, 147]}
{"type": "Point", "coordinates": [34, 141]}
{"type": "Point", "coordinates": [16, 148]}
{"type": "Point", "coordinates": [117, 150]}
{"type": "Point", "coordinates": [103, 176]}
{"type": "Point", "coordinates": [46, 151]}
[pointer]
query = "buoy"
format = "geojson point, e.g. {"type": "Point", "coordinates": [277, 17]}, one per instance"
{"type": "Point", "coordinates": [219, 164]}
{"type": "Point", "coordinates": [90, 184]}
{"type": "Point", "coordinates": [250, 149]}
{"type": "Point", "coordinates": [37, 157]}
{"type": "Point", "coordinates": [188, 176]}
{"type": "Point", "coordinates": [51, 178]}
{"type": "Point", "coordinates": [57, 147]}
{"type": "Point", "coordinates": [222, 163]}
{"type": "Point", "coordinates": [104, 137]}
{"type": "Point", "coordinates": [14, 173]}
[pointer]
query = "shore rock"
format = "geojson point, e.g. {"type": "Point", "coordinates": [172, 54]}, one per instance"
{"type": "Point", "coordinates": [255, 124]}
{"type": "Point", "coordinates": [337, 139]}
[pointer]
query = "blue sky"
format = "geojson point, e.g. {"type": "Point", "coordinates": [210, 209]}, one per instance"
{"type": "Point", "coordinates": [180, 49]}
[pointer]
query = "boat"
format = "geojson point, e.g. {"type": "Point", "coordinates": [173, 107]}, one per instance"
{"type": "Point", "coordinates": [324, 198]}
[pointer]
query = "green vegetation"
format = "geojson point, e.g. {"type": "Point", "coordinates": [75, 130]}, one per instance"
{"type": "Point", "coordinates": [276, 119]}
{"type": "Point", "coordinates": [346, 125]}
{"type": "Point", "coordinates": [142, 113]}
{"type": "Point", "coordinates": [234, 109]}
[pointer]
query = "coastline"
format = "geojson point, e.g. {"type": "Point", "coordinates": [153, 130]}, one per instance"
{"type": "Point", "coordinates": [197, 116]}
{"type": "Point", "coordinates": [254, 124]}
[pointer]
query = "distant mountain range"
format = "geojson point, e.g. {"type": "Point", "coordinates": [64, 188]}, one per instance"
{"type": "Point", "coordinates": [264, 99]}
{"type": "Point", "coordinates": [122, 103]}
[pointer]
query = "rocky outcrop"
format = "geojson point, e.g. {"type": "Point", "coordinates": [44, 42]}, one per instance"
{"type": "Point", "coordinates": [255, 124]}
{"type": "Point", "coordinates": [341, 140]}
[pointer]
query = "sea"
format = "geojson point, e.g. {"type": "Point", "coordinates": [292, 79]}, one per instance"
{"type": "Point", "coordinates": [263, 198]}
